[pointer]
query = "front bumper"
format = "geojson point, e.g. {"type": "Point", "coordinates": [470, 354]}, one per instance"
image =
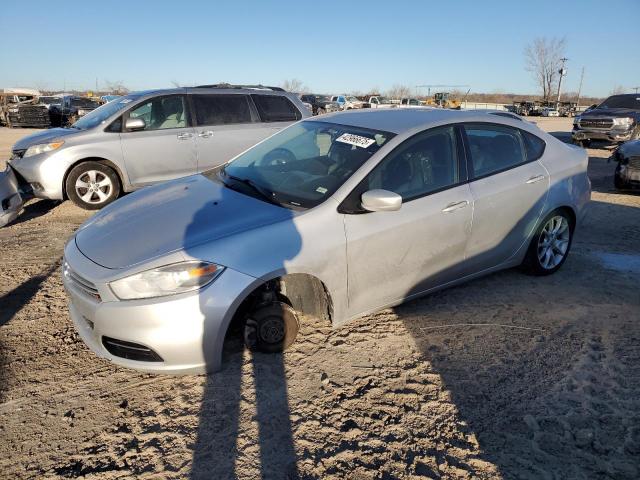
{"type": "Point", "coordinates": [612, 135]}
{"type": "Point", "coordinates": [628, 175]}
{"type": "Point", "coordinates": [11, 200]}
{"type": "Point", "coordinates": [185, 331]}
{"type": "Point", "coordinates": [44, 173]}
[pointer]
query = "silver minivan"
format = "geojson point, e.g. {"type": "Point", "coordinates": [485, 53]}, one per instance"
{"type": "Point", "coordinates": [149, 137]}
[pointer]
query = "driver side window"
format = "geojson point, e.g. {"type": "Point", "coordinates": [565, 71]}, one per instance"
{"type": "Point", "coordinates": [162, 113]}
{"type": "Point", "coordinates": [426, 163]}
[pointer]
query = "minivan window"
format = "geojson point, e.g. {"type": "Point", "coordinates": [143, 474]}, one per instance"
{"type": "Point", "coordinates": [276, 108]}
{"type": "Point", "coordinates": [221, 109]}
{"type": "Point", "coordinates": [162, 113]}
{"type": "Point", "coordinates": [426, 163]}
{"type": "Point", "coordinates": [304, 164]}
{"type": "Point", "coordinates": [494, 148]}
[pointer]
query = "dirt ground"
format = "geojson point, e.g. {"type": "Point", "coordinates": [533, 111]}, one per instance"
{"type": "Point", "coordinates": [508, 376]}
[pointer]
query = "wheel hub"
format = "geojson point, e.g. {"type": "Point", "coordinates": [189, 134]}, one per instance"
{"type": "Point", "coordinates": [272, 330]}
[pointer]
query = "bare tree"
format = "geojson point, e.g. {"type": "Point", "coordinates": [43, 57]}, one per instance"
{"type": "Point", "coordinates": [116, 87]}
{"type": "Point", "coordinates": [399, 91]}
{"type": "Point", "coordinates": [618, 89]}
{"type": "Point", "coordinates": [294, 85]}
{"type": "Point", "coordinates": [542, 57]}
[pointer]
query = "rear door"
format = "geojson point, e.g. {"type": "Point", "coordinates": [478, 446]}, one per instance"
{"type": "Point", "coordinates": [166, 148]}
{"type": "Point", "coordinates": [226, 125]}
{"type": "Point", "coordinates": [509, 188]}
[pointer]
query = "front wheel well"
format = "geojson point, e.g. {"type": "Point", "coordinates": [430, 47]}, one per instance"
{"type": "Point", "coordinates": [104, 161]}
{"type": "Point", "coordinates": [303, 292]}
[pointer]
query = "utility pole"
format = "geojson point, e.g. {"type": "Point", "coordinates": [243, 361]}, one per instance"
{"type": "Point", "coordinates": [579, 89]}
{"type": "Point", "coordinates": [562, 73]}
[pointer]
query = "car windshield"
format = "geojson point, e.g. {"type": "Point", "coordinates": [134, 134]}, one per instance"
{"type": "Point", "coordinates": [302, 165]}
{"type": "Point", "coordinates": [101, 114]}
{"type": "Point", "coordinates": [50, 100]}
{"type": "Point", "coordinates": [322, 98]}
{"type": "Point", "coordinates": [84, 102]}
{"type": "Point", "coordinates": [622, 101]}
{"type": "Point", "coordinates": [384, 100]}
{"type": "Point", "coordinates": [352, 99]}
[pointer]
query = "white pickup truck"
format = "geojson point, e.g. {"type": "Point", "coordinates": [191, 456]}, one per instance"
{"type": "Point", "coordinates": [347, 102]}
{"type": "Point", "coordinates": [382, 102]}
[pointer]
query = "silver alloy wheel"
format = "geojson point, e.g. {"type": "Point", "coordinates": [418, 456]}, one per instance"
{"type": "Point", "coordinates": [553, 242]}
{"type": "Point", "coordinates": [94, 187]}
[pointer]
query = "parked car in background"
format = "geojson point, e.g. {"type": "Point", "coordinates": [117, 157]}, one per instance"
{"type": "Point", "coordinates": [320, 104]}
{"type": "Point", "coordinates": [411, 103]}
{"type": "Point", "coordinates": [615, 120]}
{"type": "Point", "coordinates": [70, 109]}
{"type": "Point", "coordinates": [288, 230]}
{"type": "Point", "coordinates": [348, 102]}
{"type": "Point", "coordinates": [549, 112]}
{"type": "Point", "coordinates": [149, 137]}
{"type": "Point", "coordinates": [381, 102]}
{"type": "Point", "coordinates": [110, 98]}
{"type": "Point", "coordinates": [627, 174]}
{"type": "Point", "coordinates": [19, 107]}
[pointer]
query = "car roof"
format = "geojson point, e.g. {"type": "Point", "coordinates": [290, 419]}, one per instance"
{"type": "Point", "coordinates": [398, 120]}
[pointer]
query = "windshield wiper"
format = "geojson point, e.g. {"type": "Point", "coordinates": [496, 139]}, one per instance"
{"type": "Point", "coordinates": [263, 192]}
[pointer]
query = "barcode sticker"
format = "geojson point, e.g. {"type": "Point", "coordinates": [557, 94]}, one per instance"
{"type": "Point", "coordinates": [357, 140]}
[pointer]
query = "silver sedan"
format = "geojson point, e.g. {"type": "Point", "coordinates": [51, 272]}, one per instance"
{"type": "Point", "coordinates": [333, 218]}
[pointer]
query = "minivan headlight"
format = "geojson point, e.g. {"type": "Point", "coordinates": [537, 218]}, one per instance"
{"type": "Point", "coordinates": [168, 280]}
{"type": "Point", "coordinates": [42, 148]}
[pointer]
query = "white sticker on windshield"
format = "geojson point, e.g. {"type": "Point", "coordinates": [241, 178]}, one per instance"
{"type": "Point", "coordinates": [321, 190]}
{"type": "Point", "coordinates": [357, 140]}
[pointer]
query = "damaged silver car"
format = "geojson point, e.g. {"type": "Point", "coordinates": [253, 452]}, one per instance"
{"type": "Point", "coordinates": [332, 219]}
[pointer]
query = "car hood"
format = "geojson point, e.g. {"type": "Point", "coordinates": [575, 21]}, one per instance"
{"type": "Point", "coordinates": [171, 217]}
{"type": "Point", "coordinates": [611, 112]}
{"type": "Point", "coordinates": [630, 149]}
{"type": "Point", "coordinates": [45, 136]}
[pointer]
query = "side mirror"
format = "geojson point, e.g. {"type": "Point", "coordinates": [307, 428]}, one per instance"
{"type": "Point", "coordinates": [135, 124]}
{"type": "Point", "coordinates": [381, 201]}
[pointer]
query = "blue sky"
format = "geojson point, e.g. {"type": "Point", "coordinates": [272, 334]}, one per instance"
{"type": "Point", "coordinates": [330, 46]}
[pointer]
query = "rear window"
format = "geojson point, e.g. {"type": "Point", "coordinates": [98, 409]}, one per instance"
{"type": "Point", "coordinates": [533, 145]}
{"type": "Point", "coordinates": [222, 109]}
{"type": "Point", "coordinates": [275, 108]}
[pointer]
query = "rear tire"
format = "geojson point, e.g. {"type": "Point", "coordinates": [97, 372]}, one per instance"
{"type": "Point", "coordinates": [550, 244]}
{"type": "Point", "coordinates": [271, 327]}
{"type": "Point", "coordinates": [92, 185]}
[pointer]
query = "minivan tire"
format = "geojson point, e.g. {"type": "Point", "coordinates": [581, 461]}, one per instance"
{"type": "Point", "coordinates": [533, 264]}
{"type": "Point", "coordinates": [92, 185]}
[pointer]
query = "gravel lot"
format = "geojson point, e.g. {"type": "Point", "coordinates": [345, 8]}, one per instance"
{"type": "Point", "coordinates": [508, 376]}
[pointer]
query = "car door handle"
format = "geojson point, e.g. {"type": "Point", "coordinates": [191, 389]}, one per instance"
{"type": "Point", "coordinates": [185, 136]}
{"type": "Point", "coordinates": [455, 206]}
{"type": "Point", "coordinates": [536, 179]}
{"type": "Point", "coordinates": [206, 134]}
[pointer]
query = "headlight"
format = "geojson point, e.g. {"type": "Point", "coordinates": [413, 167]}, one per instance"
{"type": "Point", "coordinates": [81, 112]}
{"type": "Point", "coordinates": [623, 122]}
{"type": "Point", "coordinates": [13, 110]}
{"type": "Point", "coordinates": [576, 120]}
{"type": "Point", "coordinates": [42, 148]}
{"type": "Point", "coordinates": [167, 280]}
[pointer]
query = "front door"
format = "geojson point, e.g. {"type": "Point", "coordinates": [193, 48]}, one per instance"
{"type": "Point", "coordinates": [166, 148]}
{"type": "Point", "coordinates": [509, 190]}
{"type": "Point", "coordinates": [394, 255]}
